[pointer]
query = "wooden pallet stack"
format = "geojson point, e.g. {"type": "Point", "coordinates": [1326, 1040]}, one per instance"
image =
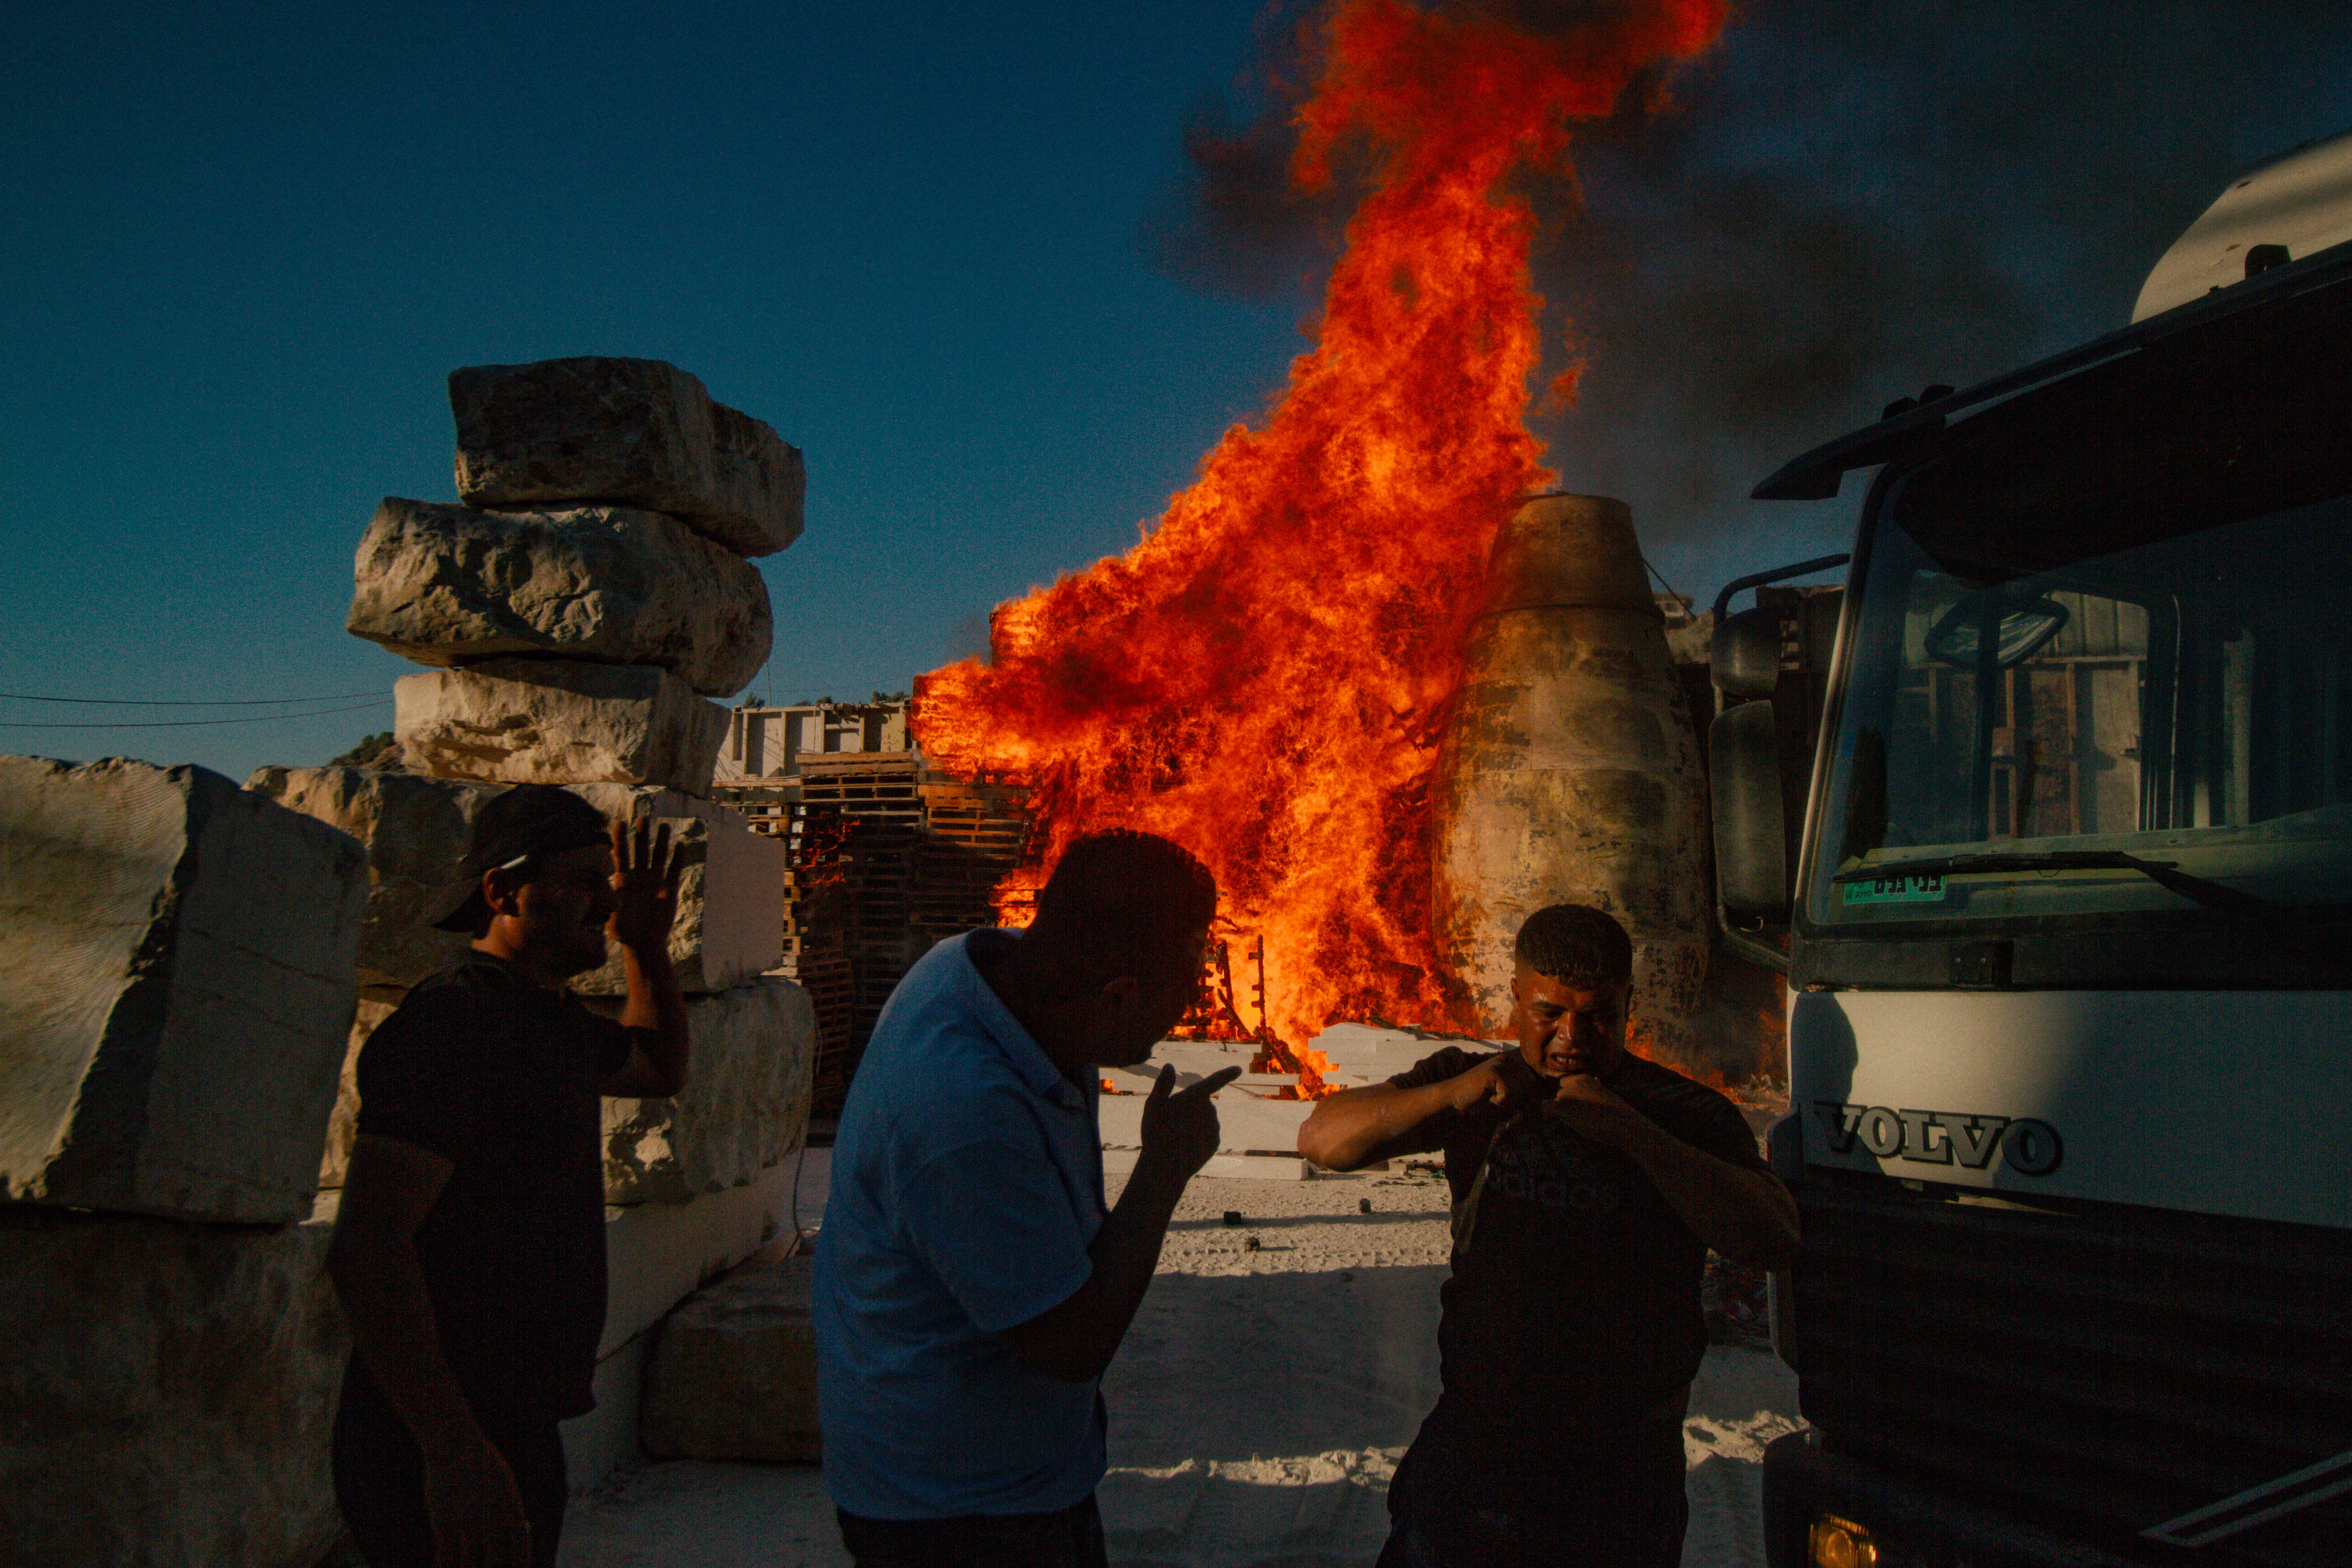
{"type": "Point", "coordinates": [972, 835]}
{"type": "Point", "coordinates": [885, 860]}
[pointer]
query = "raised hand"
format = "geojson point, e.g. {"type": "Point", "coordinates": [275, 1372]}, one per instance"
{"type": "Point", "coordinates": [645, 870]}
{"type": "Point", "coordinates": [1180, 1126]}
{"type": "Point", "coordinates": [1503, 1079]}
{"type": "Point", "coordinates": [1591, 1106]}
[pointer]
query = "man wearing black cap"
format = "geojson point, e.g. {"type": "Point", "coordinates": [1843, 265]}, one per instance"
{"type": "Point", "coordinates": [469, 1250]}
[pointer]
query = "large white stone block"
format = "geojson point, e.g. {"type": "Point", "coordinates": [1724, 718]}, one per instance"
{"type": "Point", "coordinates": [730, 908]}
{"type": "Point", "coordinates": [416, 829]}
{"type": "Point", "coordinates": [450, 585]}
{"type": "Point", "coordinates": [732, 1374]}
{"type": "Point", "coordinates": [1371, 1053]}
{"type": "Point", "coordinates": [551, 720]}
{"type": "Point", "coordinates": [600, 1442]}
{"type": "Point", "coordinates": [166, 1392]}
{"type": "Point", "coordinates": [175, 990]}
{"type": "Point", "coordinates": [636, 431]}
{"type": "Point", "coordinates": [629, 802]}
{"type": "Point", "coordinates": [1232, 1167]}
{"type": "Point", "coordinates": [745, 1106]}
{"type": "Point", "coordinates": [656, 1255]}
{"type": "Point", "coordinates": [1246, 1123]}
{"type": "Point", "coordinates": [342, 1127]}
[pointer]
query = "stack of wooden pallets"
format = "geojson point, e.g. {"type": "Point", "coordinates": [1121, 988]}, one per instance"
{"type": "Point", "coordinates": [886, 859]}
{"type": "Point", "coordinates": [972, 835]}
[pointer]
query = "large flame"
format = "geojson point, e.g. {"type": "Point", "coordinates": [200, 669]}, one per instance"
{"type": "Point", "coordinates": [1263, 678]}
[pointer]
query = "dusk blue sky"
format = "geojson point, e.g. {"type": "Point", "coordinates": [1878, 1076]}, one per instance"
{"type": "Point", "coordinates": [246, 246]}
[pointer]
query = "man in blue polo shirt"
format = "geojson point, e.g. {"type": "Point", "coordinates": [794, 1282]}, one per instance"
{"type": "Point", "coordinates": [970, 1287]}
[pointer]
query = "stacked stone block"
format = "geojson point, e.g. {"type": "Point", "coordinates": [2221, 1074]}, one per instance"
{"type": "Point", "coordinates": [179, 984]}
{"type": "Point", "coordinates": [750, 1334]}
{"type": "Point", "coordinates": [574, 614]}
{"type": "Point", "coordinates": [192, 968]}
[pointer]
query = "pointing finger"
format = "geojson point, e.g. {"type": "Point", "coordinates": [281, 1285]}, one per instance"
{"type": "Point", "coordinates": [1213, 1082]}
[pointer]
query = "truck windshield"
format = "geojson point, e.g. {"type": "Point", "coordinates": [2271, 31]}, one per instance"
{"type": "Point", "coordinates": [2122, 623]}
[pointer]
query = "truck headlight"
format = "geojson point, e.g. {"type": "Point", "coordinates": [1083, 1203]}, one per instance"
{"type": "Point", "coordinates": [1841, 1544]}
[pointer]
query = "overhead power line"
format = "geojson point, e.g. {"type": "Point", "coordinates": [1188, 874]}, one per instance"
{"type": "Point", "coordinates": [166, 702]}
{"type": "Point", "coordinates": [185, 724]}
{"type": "Point", "coordinates": [1669, 587]}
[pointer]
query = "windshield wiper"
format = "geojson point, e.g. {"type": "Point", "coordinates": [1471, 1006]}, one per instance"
{"type": "Point", "coordinates": [2211, 895]}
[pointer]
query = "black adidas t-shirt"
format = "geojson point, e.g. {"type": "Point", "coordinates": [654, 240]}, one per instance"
{"type": "Point", "coordinates": [504, 1079]}
{"type": "Point", "coordinates": [1573, 1306]}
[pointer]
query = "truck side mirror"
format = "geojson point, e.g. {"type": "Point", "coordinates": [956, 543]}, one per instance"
{"type": "Point", "coordinates": [1751, 857]}
{"type": "Point", "coordinates": [1744, 658]}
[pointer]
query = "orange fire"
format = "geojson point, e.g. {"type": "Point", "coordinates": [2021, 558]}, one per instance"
{"type": "Point", "coordinates": [1265, 678]}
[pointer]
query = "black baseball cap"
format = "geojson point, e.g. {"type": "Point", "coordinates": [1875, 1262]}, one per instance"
{"type": "Point", "coordinates": [529, 822]}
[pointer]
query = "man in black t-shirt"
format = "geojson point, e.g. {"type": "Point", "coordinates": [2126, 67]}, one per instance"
{"type": "Point", "coordinates": [1587, 1186]}
{"type": "Point", "coordinates": [469, 1249]}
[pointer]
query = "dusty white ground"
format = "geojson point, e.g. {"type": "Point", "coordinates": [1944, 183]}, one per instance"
{"type": "Point", "coordinates": [1257, 1409]}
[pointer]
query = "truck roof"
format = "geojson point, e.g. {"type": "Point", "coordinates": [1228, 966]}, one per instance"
{"type": "Point", "coordinates": [2299, 203]}
{"type": "Point", "coordinates": [2300, 200]}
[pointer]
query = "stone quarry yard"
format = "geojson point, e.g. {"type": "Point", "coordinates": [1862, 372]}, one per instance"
{"type": "Point", "coordinates": [1257, 1409]}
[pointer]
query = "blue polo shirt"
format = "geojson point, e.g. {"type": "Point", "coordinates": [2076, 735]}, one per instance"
{"type": "Point", "coordinates": [966, 1187]}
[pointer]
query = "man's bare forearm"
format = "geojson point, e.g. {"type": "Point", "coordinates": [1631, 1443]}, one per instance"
{"type": "Point", "coordinates": [1075, 1341]}
{"type": "Point", "coordinates": [1747, 1215]}
{"type": "Point", "coordinates": [656, 1009]}
{"type": "Point", "coordinates": [373, 1262]}
{"type": "Point", "coordinates": [394, 1331]}
{"type": "Point", "coordinates": [1357, 1126]}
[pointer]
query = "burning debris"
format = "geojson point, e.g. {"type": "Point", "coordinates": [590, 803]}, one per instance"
{"type": "Point", "coordinates": [1268, 677]}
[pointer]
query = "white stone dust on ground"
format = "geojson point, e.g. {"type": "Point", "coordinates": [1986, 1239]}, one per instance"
{"type": "Point", "coordinates": [1258, 1408]}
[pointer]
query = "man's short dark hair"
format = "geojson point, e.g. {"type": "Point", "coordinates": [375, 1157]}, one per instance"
{"type": "Point", "coordinates": [1124, 903]}
{"type": "Point", "coordinates": [1577, 945]}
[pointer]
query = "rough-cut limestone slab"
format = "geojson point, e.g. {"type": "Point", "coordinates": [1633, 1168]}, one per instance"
{"type": "Point", "coordinates": [175, 990]}
{"type": "Point", "coordinates": [416, 829]}
{"type": "Point", "coordinates": [342, 1127]}
{"type": "Point", "coordinates": [450, 585]}
{"type": "Point", "coordinates": [1368, 1053]}
{"type": "Point", "coordinates": [659, 1254]}
{"type": "Point", "coordinates": [731, 909]}
{"type": "Point", "coordinates": [600, 1442]}
{"type": "Point", "coordinates": [1246, 1124]}
{"type": "Point", "coordinates": [745, 1106]}
{"type": "Point", "coordinates": [1236, 1167]}
{"type": "Point", "coordinates": [167, 1392]}
{"type": "Point", "coordinates": [633, 431]}
{"type": "Point", "coordinates": [551, 720]}
{"type": "Point", "coordinates": [733, 1372]}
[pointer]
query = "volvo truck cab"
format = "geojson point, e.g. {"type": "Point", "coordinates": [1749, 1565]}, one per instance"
{"type": "Point", "coordinates": [2067, 925]}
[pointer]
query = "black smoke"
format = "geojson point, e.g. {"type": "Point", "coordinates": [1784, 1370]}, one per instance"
{"type": "Point", "coordinates": [1841, 204]}
{"type": "Point", "coordinates": [1237, 224]}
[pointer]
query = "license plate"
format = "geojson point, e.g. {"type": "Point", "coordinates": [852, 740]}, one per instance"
{"type": "Point", "coordinates": [1896, 891]}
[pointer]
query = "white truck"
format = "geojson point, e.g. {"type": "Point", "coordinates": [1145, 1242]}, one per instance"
{"type": "Point", "coordinates": [2068, 935]}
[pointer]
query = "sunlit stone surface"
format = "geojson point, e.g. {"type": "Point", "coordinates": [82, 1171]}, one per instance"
{"type": "Point", "coordinates": [451, 585]}
{"type": "Point", "coordinates": [635, 431]}
{"type": "Point", "coordinates": [175, 990]}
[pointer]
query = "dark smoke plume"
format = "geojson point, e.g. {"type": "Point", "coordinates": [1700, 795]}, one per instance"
{"type": "Point", "coordinates": [1843, 203]}
{"type": "Point", "coordinates": [1238, 226]}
